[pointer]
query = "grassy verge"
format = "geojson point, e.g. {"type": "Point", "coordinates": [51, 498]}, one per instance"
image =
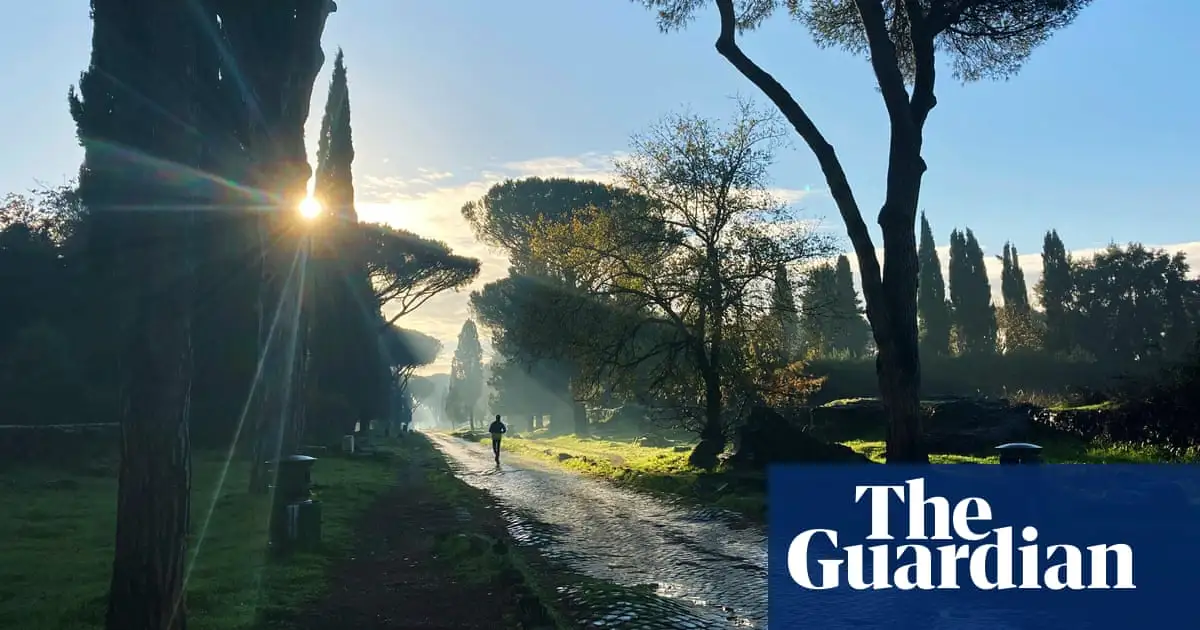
{"type": "Point", "coordinates": [664, 469]}
{"type": "Point", "coordinates": [656, 469]}
{"type": "Point", "coordinates": [58, 529]}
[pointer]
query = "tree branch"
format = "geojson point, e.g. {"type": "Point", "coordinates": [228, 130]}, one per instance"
{"type": "Point", "coordinates": [922, 32]}
{"type": "Point", "coordinates": [831, 166]}
{"type": "Point", "coordinates": [886, 65]}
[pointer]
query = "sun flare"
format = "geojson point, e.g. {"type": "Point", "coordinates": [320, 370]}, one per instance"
{"type": "Point", "coordinates": [310, 208]}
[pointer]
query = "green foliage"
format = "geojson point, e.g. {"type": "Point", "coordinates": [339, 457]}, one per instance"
{"type": "Point", "coordinates": [40, 379]}
{"type": "Point", "coordinates": [335, 148]}
{"type": "Point", "coordinates": [782, 332]}
{"type": "Point", "coordinates": [409, 348]}
{"type": "Point", "coordinates": [832, 317]}
{"type": "Point", "coordinates": [535, 315]}
{"type": "Point", "coordinates": [466, 374]}
{"type": "Point", "coordinates": [854, 332]}
{"type": "Point", "coordinates": [684, 278]}
{"type": "Point", "coordinates": [407, 270]}
{"type": "Point", "coordinates": [1020, 325]}
{"type": "Point", "coordinates": [1016, 375]}
{"type": "Point", "coordinates": [1132, 304]}
{"type": "Point", "coordinates": [507, 216]}
{"type": "Point", "coordinates": [1054, 292]}
{"type": "Point", "coordinates": [933, 311]}
{"type": "Point", "coordinates": [971, 295]}
{"type": "Point", "coordinates": [1012, 280]}
{"type": "Point", "coordinates": [981, 38]}
{"type": "Point", "coordinates": [346, 339]}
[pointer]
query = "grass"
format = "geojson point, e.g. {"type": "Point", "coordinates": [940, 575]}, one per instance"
{"type": "Point", "coordinates": [58, 529]}
{"type": "Point", "coordinates": [665, 470]}
{"type": "Point", "coordinates": [661, 470]}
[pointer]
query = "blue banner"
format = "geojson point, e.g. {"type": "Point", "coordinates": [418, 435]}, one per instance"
{"type": "Point", "coordinates": [960, 546]}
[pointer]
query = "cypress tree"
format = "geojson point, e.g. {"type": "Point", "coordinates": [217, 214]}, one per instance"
{"type": "Point", "coordinates": [853, 331]}
{"type": "Point", "coordinates": [1020, 292]}
{"type": "Point", "coordinates": [819, 311]}
{"type": "Point", "coordinates": [970, 294]}
{"type": "Point", "coordinates": [139, 97]}
{"type": "Point", "coordinates": [957, 277]}
{"type": "Point", "coordinates": [932, 309]}
{"type": "Point", "coordinates": [1054, 291]}
{"type": "Point", "coordinates": [466, 374]}
{"type": "Point", "coordinates": [785, 316]}
{"type": "Point", "coordinates": [348, 363]}
{"type": "Point", "coordinates": [1012, 281]}
{"type": "Point", "coordinates": [335, 148]}
{"type": "Point", "coordinates": [1015, 315]}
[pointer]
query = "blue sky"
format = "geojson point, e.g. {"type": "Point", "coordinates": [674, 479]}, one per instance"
{"type": "Point", "coordinates": [1097, 137]}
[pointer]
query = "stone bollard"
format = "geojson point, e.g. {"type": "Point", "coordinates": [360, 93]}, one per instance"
{"type": "Point", "coordinates": [1020, 453]}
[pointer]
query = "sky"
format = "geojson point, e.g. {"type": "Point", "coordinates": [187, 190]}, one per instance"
{"type": "Point", "coordinates": [1096, 137]}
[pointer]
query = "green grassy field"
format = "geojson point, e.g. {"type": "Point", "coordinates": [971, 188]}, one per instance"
{"type": "Point", "coordinates": [58, 531]}
{"type": "Point", "coordinates": [664, 469]}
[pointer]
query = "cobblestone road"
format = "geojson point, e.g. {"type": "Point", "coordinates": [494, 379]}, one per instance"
{"type": "Point", "coordinates": [628, 538]}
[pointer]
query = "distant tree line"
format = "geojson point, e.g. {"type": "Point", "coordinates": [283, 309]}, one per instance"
{"type": "Point", "coordinates": [611, 298]}
{"type": "Point", "coordinates": [1120, 306]}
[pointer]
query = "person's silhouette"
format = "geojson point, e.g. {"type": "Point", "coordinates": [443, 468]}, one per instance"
{"type": "Point", "coordinates": [497, 429]}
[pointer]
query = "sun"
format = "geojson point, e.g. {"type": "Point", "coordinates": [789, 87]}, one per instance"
{"type": "Point", "coordinates": [310, 208]}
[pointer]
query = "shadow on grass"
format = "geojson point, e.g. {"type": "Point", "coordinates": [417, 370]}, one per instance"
{"type": "Point", "coordinates": [59, 526]}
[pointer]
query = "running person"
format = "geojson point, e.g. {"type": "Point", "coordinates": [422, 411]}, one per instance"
{"type": "Point", "coordinates": [497, 429]}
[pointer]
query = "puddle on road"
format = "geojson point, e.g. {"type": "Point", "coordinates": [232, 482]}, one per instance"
{"type": "Point", "coordinates": [648, 563]}
{"type": "Point", "coordinates": [597, 604]}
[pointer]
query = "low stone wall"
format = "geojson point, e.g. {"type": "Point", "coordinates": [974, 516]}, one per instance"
{"type": "Point", "coordinates": [62, 445]}
{"type": "Point", "coordinates": [952, 425]}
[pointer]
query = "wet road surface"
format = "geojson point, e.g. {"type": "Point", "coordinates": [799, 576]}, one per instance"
{"type": "Point", "coordinates": [696, 557]}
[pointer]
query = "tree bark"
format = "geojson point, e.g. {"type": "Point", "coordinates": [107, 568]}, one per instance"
{"type": "Point", "coordinates": [154, 495]}
{"type": "Point", "coordinates": [579, 413]}
{"type": "Point", "coordinates": [153, 502]}
{"type": "Point", "coordinates": [712, 434]}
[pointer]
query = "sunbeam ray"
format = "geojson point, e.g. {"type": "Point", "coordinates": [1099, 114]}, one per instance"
{"type": "Point", "coordinates": [258, 372]}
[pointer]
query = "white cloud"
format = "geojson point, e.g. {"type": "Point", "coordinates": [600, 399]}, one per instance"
{"type": "Point", "coordinates": [1031, 264]}
{"type": "Point", "coordinates": [792, 196]}
{"type": "Point", "coordinates": [592, 165]}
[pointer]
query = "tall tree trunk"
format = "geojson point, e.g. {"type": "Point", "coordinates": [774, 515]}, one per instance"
{"type": "Point", "coordinates": [898, 363]}
{"type": "Point", "coordinates": [579, 414]}
{"type": "Point", "coordinates": [712, 434]}
{"type": "Point", "coordinates": [712, 325]}
{"type": "Point", "coordinates": [155, 60]}
{"type": "Point", "coordinates": [153, 500]}
{"type": "Point", "coordinates": [258, 450]}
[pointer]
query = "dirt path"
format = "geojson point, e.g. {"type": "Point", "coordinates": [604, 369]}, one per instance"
{"type": "Point", "coordinates": [626, 537]}
{"type": "Point", "coordinates": [395, 579]}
